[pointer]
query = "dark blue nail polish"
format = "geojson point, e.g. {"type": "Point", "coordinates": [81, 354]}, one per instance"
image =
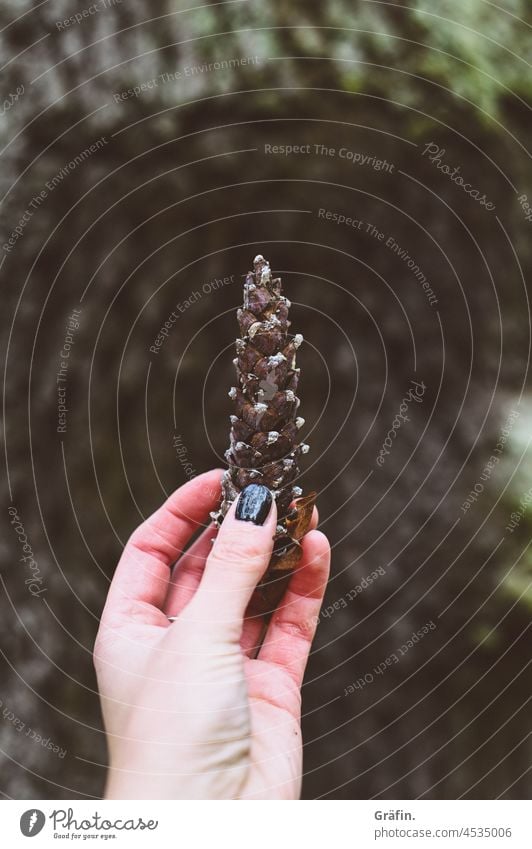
{"type": "Point", "coordinates": [254, 504]}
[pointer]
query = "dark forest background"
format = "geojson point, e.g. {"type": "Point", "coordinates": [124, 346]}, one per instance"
{"type": "Point", "coordinates": [181, 192]}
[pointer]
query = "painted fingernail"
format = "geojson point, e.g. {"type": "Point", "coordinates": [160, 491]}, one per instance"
{"type": "Point", "coordinates": [254, 504]}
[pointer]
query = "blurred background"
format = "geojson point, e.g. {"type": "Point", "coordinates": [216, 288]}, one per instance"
{"type": "Point", "coordinates": [147, 154]}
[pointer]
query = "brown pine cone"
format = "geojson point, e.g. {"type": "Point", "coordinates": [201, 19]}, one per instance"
{"type": "Point", "coordinates": [263, 440]}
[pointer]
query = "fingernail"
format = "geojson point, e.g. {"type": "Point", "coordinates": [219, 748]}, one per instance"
{"type": "Point", "coordinates": [254, 504]}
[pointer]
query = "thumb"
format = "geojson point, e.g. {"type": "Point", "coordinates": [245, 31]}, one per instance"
{"type": "Point", "coordinates": [239, 557]}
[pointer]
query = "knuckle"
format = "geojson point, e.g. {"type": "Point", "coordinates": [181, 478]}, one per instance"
{"type": "Point", "coordinates": [151, 540]}
{"type": "Point", "coordinates": [246, 552]}
{"type": "Point", "coordinates": [137, 537]}
{"type": "Point", "coordinates": [298, 629]}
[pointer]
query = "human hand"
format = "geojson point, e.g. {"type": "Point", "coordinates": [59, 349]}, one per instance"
{"type": "Point", "coordinates": [188, 711]}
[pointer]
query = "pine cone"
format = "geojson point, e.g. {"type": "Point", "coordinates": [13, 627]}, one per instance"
{"type": "Point", "coordinates": [264, 447]}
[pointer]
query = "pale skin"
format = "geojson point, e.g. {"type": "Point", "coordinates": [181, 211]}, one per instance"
{"type": "Point", "coordinates": [189, 712]}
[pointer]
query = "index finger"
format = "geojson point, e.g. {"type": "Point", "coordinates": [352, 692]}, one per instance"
{"type": "Point", "coordinates": [142, 576]}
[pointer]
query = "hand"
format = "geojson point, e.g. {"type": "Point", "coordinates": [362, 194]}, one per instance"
{"type": "Point", "coordinates": [188, 711]}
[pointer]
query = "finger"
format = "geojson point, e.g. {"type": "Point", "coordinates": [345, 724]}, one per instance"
{"type": "Point", "coordinates": [188, 572]}
{"type": "Point", "coordinates": [238, 560]}
{"type": "Point", "coordinates": [293, 625]}
{"type": "Point", "coordinates": [187, 575]}
{"type": "Point", "coordinates": [253, 630]}
{"type": "Point", "coordinates": [140, 582]}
